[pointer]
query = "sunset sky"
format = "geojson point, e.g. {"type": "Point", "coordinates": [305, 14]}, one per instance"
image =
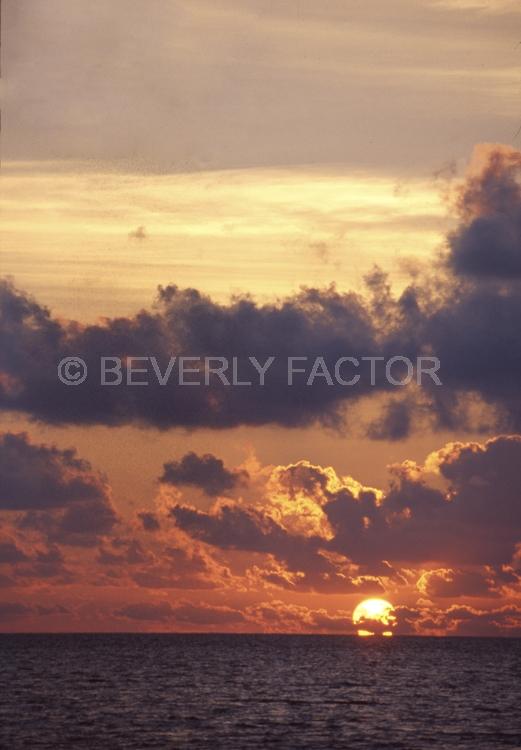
{"type": "Point", "coordinates": [255, 178]}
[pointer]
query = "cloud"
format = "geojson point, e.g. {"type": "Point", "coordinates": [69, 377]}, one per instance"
{"type": "Point", "coordinates": [270, 616]}
{"type": "Point", "coordinates": [46, 565]}
{"type": "Point", "coordinates": [286, 531]}
{"type": "Point", "coordinates": [186, 322]}
{"type": "Point", "coordinates": [206, 472]}
{"type": "Point", "coordinates": [186, 613]}
{"type": "Point", "coordinates": [13, 610]}
{"type": "Point", "coordinates": [38, 477]}
{"type": "Point", "coordinates": [466, 315]}
{"type": "Point", "coordinates": [319, 531]}
{"type": "Point", "coordinates": [149, 521]}
{"type": "Point", "coordinates": [11, 553]}
{"type": "Point", "coordinates": [205, 614]}
{"type": "Point", "coordinates": [58, 493]}
{"type": "Point", "coordinates": [301, 528]}
{"type": "Point", "coordinates": [124, 552]}
{"type": "Point", "coordinates": [394, 423]}
{"type": "Point", "coordinates": [416, 521]}
{"type": "Point", "coordinates": [32, 562]}
{"type": "Point", "coordinates": [279, 616]}
{"type": "Point", "coordinates": [488, 241]}
{"type": "Point", "coordinates": [447, 530]}
{"type": "Point", "coordinates": [460, 620]}
{"type": "Point", "coordinates": [452, 584]}
{"type": "Point", "coordinates": [179, 567]}
{"type": "Point", "coordinates": [146, 611]}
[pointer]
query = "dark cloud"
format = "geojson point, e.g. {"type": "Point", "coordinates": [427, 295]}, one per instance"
{"type": "Point", "coordinates": [279, 616]}
{"type": "Point", "coordinates": [179, 568]}
{"type": "Point", "coordinates": [149, 521]}
{"type": "Point", "coordinates": [37, 477]}
{"type": "Point", "coordinates": [206, 472]}
{"type": "Point", "coordinates": [34, 563]}
{"type": "Point", "coordinates": [475, 521]}
{"type": "Point", "coordinates": [47, 564]}
{"type": "Point", "coordinates": [56, 609]}
{"type": "Point", "coordinates": [235, 527]}
{"type": "Point", "coordinates": [466, 315]}
{"type": "Point", "coordinates": [359, 536]}
{"type": "Point", "coordinates": [464, 620]}
{"type": "Point", "coordinates": [59, 494]}
{"type": "Point", "coordinates": [146, 611]}
{"type": "Point", "coordinates": [452, 584]}
{"type": "Point", "coordinates": [460, 620]}
{"type": "Point", "coordinates": [232, 527]}
{"type": "Point", "coordinates": [9, 610]}
{"type": "Point", "coordinates": [462, 331]}
{"type": "Point", "coordinates": [394, 423]}
{"type": "Point", "coordinates": [162, 577]}
{"type": "Point", "coordinates": [124, 552]}
{"type": "Point", "coordinates": [186, 613]}
{"type": "Point", "coordinates": [11, 553]}
{"type": "Point", "coordinates": [313, 323]}
{"type": "Point", "coordinates": [205, 614]}
{"type": "Point", "coordinates": [488, 241]}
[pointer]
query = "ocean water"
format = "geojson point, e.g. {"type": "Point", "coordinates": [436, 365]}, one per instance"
{"type": "Point", "coordinates": [105, 692]}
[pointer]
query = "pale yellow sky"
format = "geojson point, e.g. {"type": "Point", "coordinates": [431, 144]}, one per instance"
{"type": "Point", "coordinates": [70, 237]}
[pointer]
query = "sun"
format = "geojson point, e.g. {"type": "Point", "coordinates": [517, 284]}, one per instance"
{"type": "Point", "coordinates": [374, 617]}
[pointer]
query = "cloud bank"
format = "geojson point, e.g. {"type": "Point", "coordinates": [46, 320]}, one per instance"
{"type": "Point", "coordinates": [442, 540]}
{"type": "Point", "coordinates": [466, 315]}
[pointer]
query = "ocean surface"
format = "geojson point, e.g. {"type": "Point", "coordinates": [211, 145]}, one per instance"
{"type": "Point", "coordinates": [105, 692]}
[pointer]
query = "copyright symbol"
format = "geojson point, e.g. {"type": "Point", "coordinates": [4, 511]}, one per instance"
{"type": "Point", "coordinates": [72, 370]}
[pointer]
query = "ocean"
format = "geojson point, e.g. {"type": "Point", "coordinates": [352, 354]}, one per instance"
{"type": "Point", "coordinates": [137, 691]}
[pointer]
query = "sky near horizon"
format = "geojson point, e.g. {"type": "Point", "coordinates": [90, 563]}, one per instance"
{"type": "Point", "coordinates": [268, 154]}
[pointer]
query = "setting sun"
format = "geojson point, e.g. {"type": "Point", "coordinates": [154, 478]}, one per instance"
{"type": "Point", "coordinates": [374, 617]}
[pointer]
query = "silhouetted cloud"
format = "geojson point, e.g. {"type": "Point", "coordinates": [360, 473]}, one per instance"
{"type": "Point", "coordinates": [443, 531]}
{"type": "Point", "coordinates": [452, 584]}
{"type": "Point", "coordinates": [187, 323]}
{"type": "Point", "coordinates": [460, 620]}
{"type": "Point", "coordinates": [186, 613]}
{"type": "Point", "coordinates": [58, 493]}
{"type": "Point", "coordinates": [394, 423]}
{"type": "Point", "coordinates": [37, 477]}
{"type": "Point", "coordinates": [149, 521]}
{"type": "Point", "coordinates": [13, 610]}
{"type": "Point", "coordinates": [205, 614]}
{"type": "Point", "coordinates": [488, 241]}
{"type": "Point", "coordinates": [11, 553]}
{"type": "Point", "coordinates": [466, 315]}
{"type": "Point", "coordinates": [331, 533]}
{"type": "Point", "coordinates": [206, 472]}
{"type": "Point", "coordinates": [175, 567]}
{"type": "Point", "coordinates": [146, 611]}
